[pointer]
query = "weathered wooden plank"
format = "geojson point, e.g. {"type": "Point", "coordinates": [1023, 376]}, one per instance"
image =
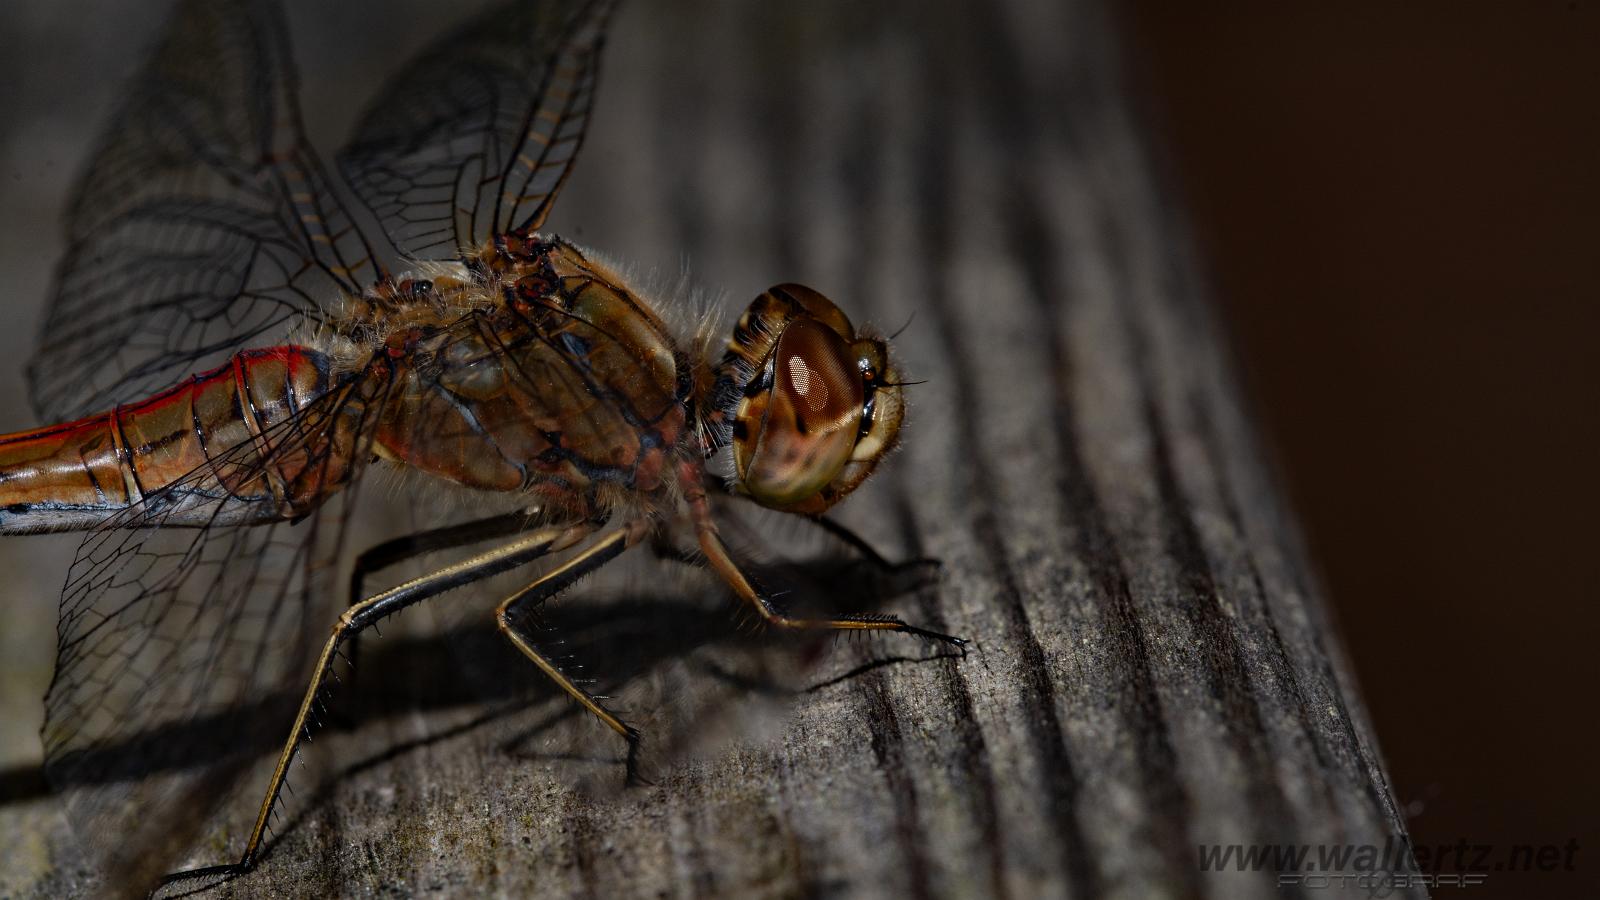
{"type": "Point", "coordinates": [1155, 669]}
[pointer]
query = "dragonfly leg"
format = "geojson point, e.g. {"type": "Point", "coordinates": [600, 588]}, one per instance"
{"type": "Point", "coordinates": [866, 551]}
{"type": "Point", "coordinates": [359, 616]}
{"type": "Point", "coordinates": [381, 556]}
{"type": "Point", "coordinates": [378, 557]}
{"type": "Point", "coordinates": [718, 558]}
{"type": "Point", "coordinates": [838, 531]}
{"type": "Point", "coordinates": [606, 549]}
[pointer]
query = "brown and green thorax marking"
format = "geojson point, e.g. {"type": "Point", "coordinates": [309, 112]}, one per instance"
{"type": "Point", "coordinates": [560, 381]}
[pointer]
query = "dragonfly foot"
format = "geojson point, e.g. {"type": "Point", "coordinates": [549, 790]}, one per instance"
{"type": "Point", "coordinates": [930, 563]}
{"type": "Point", "coordinates": [212, 876]}
{"type": "Point", "coordinates": [634, 779]}
{"type": "Point", "coordinates": [957, 642]}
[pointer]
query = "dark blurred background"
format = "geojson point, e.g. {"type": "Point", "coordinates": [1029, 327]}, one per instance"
{"type": "Point", "coordinates": [1400, 206]}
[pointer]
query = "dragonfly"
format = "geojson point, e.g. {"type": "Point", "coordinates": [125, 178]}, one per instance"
{"type": "Point", "coordinates": [239, 334]}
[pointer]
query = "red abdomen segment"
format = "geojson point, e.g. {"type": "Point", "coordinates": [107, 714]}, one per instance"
{"type": "Point", "coordinates": [74, 476]}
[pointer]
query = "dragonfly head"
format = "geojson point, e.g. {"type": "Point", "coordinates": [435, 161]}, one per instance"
{"type": "Point", "coordinates": [819, 404]}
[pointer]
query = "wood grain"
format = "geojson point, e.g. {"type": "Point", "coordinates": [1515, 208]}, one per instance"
{"type": "Point", "coordinates": [1155, 669]}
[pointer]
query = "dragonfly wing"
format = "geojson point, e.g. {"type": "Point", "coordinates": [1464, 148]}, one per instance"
{"type": "Point", "coordinates": [204, 222]}
{"type": "Point", "coordinates": [183, 651]}
{"type": "Point", "coordinates": [478, 133]}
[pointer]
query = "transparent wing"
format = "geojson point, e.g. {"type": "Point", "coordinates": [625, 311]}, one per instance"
{"type": "Point", "coordinates": [183, 652]}
{"type": "Point", "coordinates": [478, 133]}
{"type": "Point", "coordinates": [203, 224]}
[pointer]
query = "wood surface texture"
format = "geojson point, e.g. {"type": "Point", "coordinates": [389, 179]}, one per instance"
{"type": "Point", "coordinates": [1154, 666]}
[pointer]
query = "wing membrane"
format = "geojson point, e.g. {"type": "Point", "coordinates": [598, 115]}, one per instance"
{"type": "Point", "coordinates": [478, 134]}
{"type": "Point", "coordinates": [203, 224]}
{"type": "Point", "coordinates": [182, 652]}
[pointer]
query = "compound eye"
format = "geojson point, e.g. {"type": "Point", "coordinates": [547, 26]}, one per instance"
{"type": "Point", "coordinates": [797, 426]}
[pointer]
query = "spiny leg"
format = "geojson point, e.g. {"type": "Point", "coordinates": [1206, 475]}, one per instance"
{"type": "Point", "coordinates": [501, 559]}
{"type": "Point", "coordinates": [856, 542]}
{"type": "Point", "coordinates": [391, 552]}
{"type": "Point", "coordinates": [834, 529]}
{"type": "Point", "coordinates": [381, 556]}
{"type": "Point", "coordinates": [606, 549]}
{"type": "Point", "coordinates": [718, 557]}
{"type": "Point", "coordinates": [925, 569]}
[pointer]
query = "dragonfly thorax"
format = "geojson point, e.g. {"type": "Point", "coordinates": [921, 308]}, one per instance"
{"type": "Point", "coordinates": [566, 386]}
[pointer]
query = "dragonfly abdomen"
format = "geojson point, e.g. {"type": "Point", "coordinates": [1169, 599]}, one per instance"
{"type": "Point", "coordinates": [207, 435]}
